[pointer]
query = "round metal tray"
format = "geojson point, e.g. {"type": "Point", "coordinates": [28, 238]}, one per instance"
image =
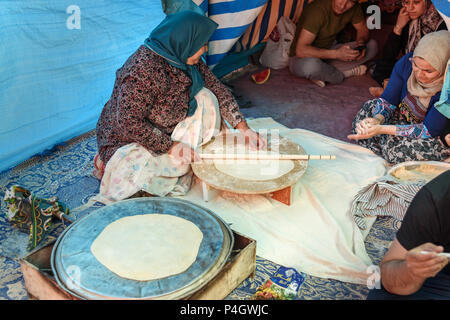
{"type": "Point", "coordinates": [78, 272]}
{"type": "Point", "coordinates": [439, 167]}
{"type": "Point", "coordinates": [208, 173]}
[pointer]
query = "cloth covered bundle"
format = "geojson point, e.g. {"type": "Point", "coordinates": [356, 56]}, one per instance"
{"type": "Point", "coordinates": [387, 196]}
{"type": "Point", "coordinates": [33, 215]}
{"type": "Point", "coordinates": [276, 52]}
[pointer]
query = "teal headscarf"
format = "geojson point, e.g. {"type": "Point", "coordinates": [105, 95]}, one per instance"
{"type": "Point", "coordinates": [178, 37]}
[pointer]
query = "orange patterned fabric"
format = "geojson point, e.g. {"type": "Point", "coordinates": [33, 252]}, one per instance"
{"type": "Point", "coordinates": [266, 21]}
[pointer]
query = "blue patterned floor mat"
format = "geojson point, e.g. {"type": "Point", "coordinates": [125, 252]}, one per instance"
{"type": "Point", "coordinates": [67, 173]}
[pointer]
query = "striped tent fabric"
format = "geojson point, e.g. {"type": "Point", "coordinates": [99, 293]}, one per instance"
{"type": "Point", "coordinates": [266, 21]}
{"type": "Point", "coordinates": [234, 17]}
{"type": "Point", "coordinates": [387, 196]}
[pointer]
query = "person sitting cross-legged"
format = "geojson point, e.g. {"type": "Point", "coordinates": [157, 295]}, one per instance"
{"type": "Point", "coordinates": [404, 123]}
{"type": "Point", "coordinates": [315, 53]}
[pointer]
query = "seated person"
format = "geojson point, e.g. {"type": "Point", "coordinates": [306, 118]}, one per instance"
{"type": "Point", "coordinates": [403, 124]}
{"type": "Point", "coordinates": [415, 19]}
{"type": "Point", "coordinates": [314, 54]}
{"type": "Point", "coordinates": [165, 103]}
{"type": "Point", "coordinates": [412, 268]}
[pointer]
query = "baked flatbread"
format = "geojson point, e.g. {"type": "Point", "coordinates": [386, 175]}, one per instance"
{"type": "Point", "coordinates": [148, 246]}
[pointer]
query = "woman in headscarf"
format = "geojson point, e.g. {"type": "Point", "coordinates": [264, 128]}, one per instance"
{"type": "Point", "coordinates": [403, 124]}
{"type": "Point", "coordinates": [165, 103]}
{"type": "Point", "coordinates": [415, 19]}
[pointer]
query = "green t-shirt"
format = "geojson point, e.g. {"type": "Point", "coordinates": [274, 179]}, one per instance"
{"type": "Point", "coordinates": [319, 18]}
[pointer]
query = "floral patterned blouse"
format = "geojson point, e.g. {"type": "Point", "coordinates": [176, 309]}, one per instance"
{"type": "Point", "coordinates": [150, 97]}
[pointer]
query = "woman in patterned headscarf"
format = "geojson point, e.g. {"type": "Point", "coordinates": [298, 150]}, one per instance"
{"type": "Point", "coordinates": [404, 124]}
{"type": "Point", "coordinates": [165, 103]}
{"type": "Point", "coordinates": [416, 19]}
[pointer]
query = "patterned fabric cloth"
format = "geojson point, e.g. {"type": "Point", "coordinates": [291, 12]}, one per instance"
{"type": "Point", "coordinates": [150, 97]}
{"type": "Point", "coordinates": [384, 108]}
{"type": "Point", "coordinates": [261, 28]}
{"type": "Point", "coordinates": [31, 214]}
{"type": "Point", "coordinates": [132, 168]}
{"type": "Point", "coordinates": [386, 196]}
{"type": "Point", "coordinates": [417, 131]}
{"type": "Point", "coordinates": [234, 18]}
{"type": "Point", "coordinates": [411, 110]}
{"type": "Point", "coordinates": [396, 149]}
{"type": "Point", "coordinates": [203, 125]}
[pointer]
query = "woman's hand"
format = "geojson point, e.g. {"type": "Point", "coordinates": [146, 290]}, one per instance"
{"type": "Point", "coordinates": [366, 129]}
{"type": "Point", "coordinates": [251, 137]}
{"type": "Point", "coordinates": [402, 20]}
{"type": "Point", "coordinates": [182, 154]}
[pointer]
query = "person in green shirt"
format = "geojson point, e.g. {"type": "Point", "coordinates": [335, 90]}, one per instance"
{"type": "Point", "coordinates": [314, 53]}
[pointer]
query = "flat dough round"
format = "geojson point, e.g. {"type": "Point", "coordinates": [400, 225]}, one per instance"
{"type": "Point", "coordinates": [148, 246]}
{"type": "Point", "coordinates": [418, 172]}
{"type": "Point", "coordinates": [257, 170]}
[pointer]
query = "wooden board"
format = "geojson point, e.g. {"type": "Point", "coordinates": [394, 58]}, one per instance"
{"type": "Point", "coordinates": [208, 173]}
{"type": "Point", "coordinates": [240, 266]}
{"type": "Point", "coordinates": [285, 195]}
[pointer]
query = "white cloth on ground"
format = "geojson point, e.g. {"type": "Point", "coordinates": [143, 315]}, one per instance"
{"type": "Point", "coordinates": [316, 234]}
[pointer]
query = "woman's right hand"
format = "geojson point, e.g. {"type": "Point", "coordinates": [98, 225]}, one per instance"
{"type": "Point", "coordinates": [366, 129]}
{"type": "Point", "coordinates": [182, 154]}
{"type": "Point", "coordinates": [402, 20]}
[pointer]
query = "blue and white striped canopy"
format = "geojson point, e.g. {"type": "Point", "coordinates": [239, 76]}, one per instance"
{"type": "Point", "coordinates": [234, 18]}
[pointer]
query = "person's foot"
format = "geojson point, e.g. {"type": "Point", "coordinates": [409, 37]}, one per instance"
{"type": "Point", "coordinates": [355, 71]}
{"type": "Point", "coordinates": [376, 91]}
{"type": "Point", "coordinates": [320, 83]}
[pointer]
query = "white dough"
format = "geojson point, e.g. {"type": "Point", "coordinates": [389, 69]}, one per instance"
{"type": "Point", "coordinates": [257, 170]}
{"type": "Point", "coordinates": [420, 172]}
{"type": "Point", "coordinates": [148, 246]}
